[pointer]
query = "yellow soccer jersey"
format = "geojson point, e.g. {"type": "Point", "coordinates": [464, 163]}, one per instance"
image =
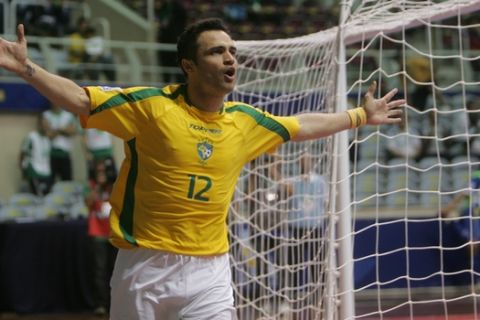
{"type": "Point", "coordinates": [181, 164]}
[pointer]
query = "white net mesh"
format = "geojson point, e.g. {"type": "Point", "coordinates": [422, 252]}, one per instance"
{"type": "Point", "coordinates": [412, 250]}
{"type": "Point", "coordinates": [278, 254]}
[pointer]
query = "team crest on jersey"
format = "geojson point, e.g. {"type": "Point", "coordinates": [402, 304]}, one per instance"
{"type": "Point", "coordinates": [204, 150]}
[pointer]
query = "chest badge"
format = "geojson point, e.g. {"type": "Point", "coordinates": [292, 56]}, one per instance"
{"type": "Point", "coordinates": [204, 150]}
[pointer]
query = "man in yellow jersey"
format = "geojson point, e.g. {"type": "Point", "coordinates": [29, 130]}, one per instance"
{"type": "Point", "coordinates": [184, 149]}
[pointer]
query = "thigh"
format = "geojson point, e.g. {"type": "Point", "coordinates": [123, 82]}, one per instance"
{"type": "Point", "coordinates": [210, 288]}
{"type": "Point", "coordinates": [147, 284]}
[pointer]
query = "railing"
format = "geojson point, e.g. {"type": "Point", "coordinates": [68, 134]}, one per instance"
{"type": "Point", "coordinates": [138, 63]}
{"type": "Point", "coordinates": [135, 63]}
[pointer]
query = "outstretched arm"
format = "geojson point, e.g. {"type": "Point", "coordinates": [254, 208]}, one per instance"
{"type": "Point", "coordinates": [373, 112]}
{"type": "Point", "coordinates": [60, 91]}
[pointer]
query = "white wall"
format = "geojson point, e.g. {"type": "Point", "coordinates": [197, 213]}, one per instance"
{"type": "Point", "coordinates": [12, 130]}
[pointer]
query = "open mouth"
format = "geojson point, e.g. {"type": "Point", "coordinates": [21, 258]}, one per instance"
{"type": "Point", "coordinates": [230, 74]}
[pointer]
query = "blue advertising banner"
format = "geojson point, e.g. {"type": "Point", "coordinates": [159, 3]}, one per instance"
{"type": "Point", "coordinates": [21, 97]}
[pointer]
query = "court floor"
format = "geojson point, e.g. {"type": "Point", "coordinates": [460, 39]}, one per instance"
{"type": "Point", "coordinates": [59, 316]}
{"type": "Point", "coordinates": [92, 317]}
{"type": "Point", "coordinates": [463, 309]}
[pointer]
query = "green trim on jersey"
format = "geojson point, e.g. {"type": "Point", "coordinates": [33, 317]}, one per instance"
{"type": "Point", "coordinates": [126, 216]}
{"type": "Point", "coordinates": [260, 118]}
{"type": "Point", "coordinates": [135, 96]}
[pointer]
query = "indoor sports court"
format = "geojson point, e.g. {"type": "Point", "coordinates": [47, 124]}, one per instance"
{"type": "Point", "coordinates": [377, 222]}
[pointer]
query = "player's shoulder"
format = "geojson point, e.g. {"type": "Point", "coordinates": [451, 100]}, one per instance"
{"type": "Point", "coordinates": [174, 93]}
{"type": "Point", "coordinates": [146, 97]}
{"type": "Point", "coordinates": [235, 107]}
{"type": "Point", "coordinates": [138, 92]}
{"type": "Point", "coordinates": [169, 91]}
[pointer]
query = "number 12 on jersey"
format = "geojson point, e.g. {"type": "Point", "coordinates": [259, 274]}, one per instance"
{"type": "Point", "coordinates": [198, 186]}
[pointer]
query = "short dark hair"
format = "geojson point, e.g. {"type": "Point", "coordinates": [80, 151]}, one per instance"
{"type": "Point", "coordinates": [187, 44]}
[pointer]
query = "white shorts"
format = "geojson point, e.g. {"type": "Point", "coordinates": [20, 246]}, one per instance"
{"type": "Point", "coordinates": [151, 284]}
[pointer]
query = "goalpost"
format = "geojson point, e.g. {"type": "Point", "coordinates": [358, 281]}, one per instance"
{"type": "Point", "coordinates": [346, 227]}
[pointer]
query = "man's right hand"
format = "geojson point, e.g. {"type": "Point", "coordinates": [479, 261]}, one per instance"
{"type": "Point", "coordinates": [13, 55]}
{"type": "Point", "coordinates": [59, 90]}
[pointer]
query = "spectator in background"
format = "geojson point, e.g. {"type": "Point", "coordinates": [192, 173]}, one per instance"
{"type": "Point", "coordinates": [62, 126]}
{"type": "Point", "coordinates": [461, 128]}
{"type": "Point", "coordinates": [466, 207]}
{"type": "Point", "coordinates": [306, 223]}
{"type": "Point", "coordinates": [267, 209]}
{"type": "Point", "coordinates": [466, 126]}
{"type": "Point", "coordinates": [474, 43]}
{"type": "Point", "coordinates": [473, 108]}
{"type": "Point", "coordinates": [403, 142]}
{"type": "Point", "coordinates": [99, 148]}
{"type": "Point", "coordinates": [35, 159]}
{"type": "Point", "coordinates": [171, 18]}
{"type": "Point", "coordinates": [76, 49]}
{"type": "Point", "coordinates": [235, 11]}
{"type": "Point", "coordinates": [434, 125]}
{"type": "Point", "coordinates": [48, 19]}
{"type": "Point", "coordinates": [419, 68]}
{"type": "Point", "coordinates": [97, 57]}
{"type": "Point", "coordinates": [103, 253]}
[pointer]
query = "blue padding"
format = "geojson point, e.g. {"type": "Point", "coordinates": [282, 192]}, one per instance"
{"type": "Point", "coordinates": [21, 97]}
{"type": "Point", "coordinates": [416, 260]}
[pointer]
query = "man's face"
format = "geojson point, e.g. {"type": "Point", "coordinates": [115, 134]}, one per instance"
{"type": "Point", "coordinates": [101, 175]}
{"type": "Point", "coordinates": [215, 69]}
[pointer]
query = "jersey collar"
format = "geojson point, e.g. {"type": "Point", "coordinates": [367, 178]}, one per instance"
{"type": "Point", "coordinates": [197, 111]}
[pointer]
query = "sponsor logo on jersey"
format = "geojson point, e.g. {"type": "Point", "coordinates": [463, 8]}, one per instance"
{"type": "Point", "coordinates": [201, 128]}
{"type": "Point", "coordinates": [204, 150]}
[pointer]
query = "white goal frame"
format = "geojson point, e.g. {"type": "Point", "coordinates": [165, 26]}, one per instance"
{"type": "Point", "coordinates": [341, 168]}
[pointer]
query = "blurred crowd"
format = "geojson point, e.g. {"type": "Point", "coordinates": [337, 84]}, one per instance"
{"type": "Point", "coordinates": [87, 55]}
{"type": "Point", "coordinates": [249, 19]}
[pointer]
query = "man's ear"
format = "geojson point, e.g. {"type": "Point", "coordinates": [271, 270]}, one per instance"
{"type": "Point", "coordinates": [187, 65]}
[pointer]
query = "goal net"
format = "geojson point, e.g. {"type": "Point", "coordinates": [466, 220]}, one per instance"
{"type": "Point", "coordinates": [373, 224]}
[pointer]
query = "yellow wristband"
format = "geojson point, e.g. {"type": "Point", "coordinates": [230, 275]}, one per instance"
{"type": "Point", "coordinates": [358, 117]}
